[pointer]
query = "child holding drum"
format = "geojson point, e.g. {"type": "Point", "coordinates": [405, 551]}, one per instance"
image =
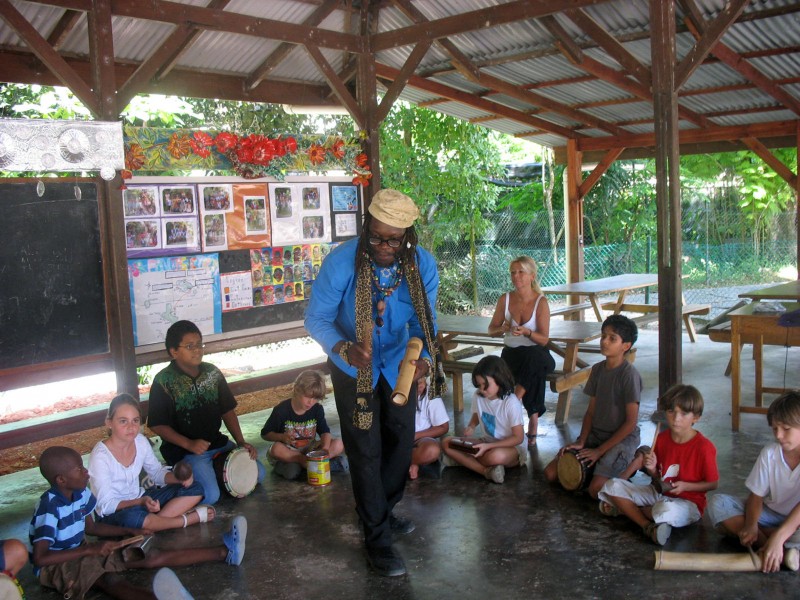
{"type": "Point", "coordinates": [430, 423]}
{"type": "Point", "coordinates": [499, 412]}
{"type": "Point", "coordinates": [189, 401]}
{"type": "Point", "coordinates": [115, 465]}
{"type": "Point", "coordinates": [682, 466]}
{"type": "Point", "coordinates": [609, 433]}
{"type": "Point", "coordinates": [769, 519]}
{"type": "Point", "coordinates": [293, 427]}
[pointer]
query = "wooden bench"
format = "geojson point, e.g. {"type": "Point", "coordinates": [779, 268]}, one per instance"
{"type": "Point", "coordinates": [649, 313]}
{"type": "Point", "coordinates": [570, 310]}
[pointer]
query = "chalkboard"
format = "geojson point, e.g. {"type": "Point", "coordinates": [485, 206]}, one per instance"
{"type": "Point", "coordinates": [52, 305]}
{"type": "Point", "coordinates": [239, 260]}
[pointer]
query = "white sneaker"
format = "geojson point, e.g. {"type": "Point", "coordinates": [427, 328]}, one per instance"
{"type": "Point", "coordinates": [496, 473]}
{"type": "Point", "coordinates": [167, 586]}
{"type": "Point", "coordinates": [791, 558]}
{"type": "Point", "coordinates": [448, 461]}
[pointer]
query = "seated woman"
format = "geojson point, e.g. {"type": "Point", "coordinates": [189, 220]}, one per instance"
{"type": "Point", "coordinates": [115, 466]}
{"type": "Point", "coordinates": [523, 318]}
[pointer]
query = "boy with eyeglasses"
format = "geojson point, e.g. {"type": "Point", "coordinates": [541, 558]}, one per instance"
{"type": "Point", "coordinates": [189, 401]}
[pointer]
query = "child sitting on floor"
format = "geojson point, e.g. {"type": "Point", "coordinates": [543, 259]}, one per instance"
{"type": "Point", "coordinates": [499, 411]}
{"type": "Point", "coordinates": [430, 423]}
{"type": "Point", "coordinates": [682, 466]}
{"type": "Point", "coordinates": [114, 467]}
{"type": "Point", "coordinates": [63, 560]}
{"type": "Point", "coordinates": [293, 427]}
{"type": "Point", "coordinates": [609, 433]}
{"type": "Point", "coordinates": [770, 517]}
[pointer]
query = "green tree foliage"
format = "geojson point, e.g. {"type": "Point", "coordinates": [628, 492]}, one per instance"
{"type": "Point", "coordinates": [445, 164]}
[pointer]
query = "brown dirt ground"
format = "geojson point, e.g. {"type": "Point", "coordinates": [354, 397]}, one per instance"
{"type": "Point", "coordinates": [26, 457]}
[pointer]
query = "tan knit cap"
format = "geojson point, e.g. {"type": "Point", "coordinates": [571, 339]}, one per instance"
{"type": "Point", "coordinates": [394, 208]}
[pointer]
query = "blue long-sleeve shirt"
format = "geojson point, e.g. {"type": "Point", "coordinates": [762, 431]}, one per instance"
{"type": "Point", "coordinates": [331, 315]}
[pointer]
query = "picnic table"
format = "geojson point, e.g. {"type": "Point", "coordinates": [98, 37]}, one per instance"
{"type": "Point", "coordinates": [759, 328]}
{"type": "Point", "coordinates": [622, 284]}
{"type": "Point", "coordinates": [782, 291]}
{"type": "Point", "coordinates": [565, 340]}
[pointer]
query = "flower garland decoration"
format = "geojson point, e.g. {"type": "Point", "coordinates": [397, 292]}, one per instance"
{"type": "Point", "coordinates": [250, 156]}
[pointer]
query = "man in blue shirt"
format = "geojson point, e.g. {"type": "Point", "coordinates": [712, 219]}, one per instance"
{"type": "Point", "coordinates": [373, 293]}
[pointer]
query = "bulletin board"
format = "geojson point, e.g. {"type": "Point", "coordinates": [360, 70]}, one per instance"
{"type": "Point", "coordinates": [231, 255]}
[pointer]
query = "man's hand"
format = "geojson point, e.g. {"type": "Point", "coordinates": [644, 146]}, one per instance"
{"type": "Point", "coordinates": [359, 356]}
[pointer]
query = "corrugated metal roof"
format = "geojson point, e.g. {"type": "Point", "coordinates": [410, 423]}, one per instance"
{"type": "Point", "coordinates": [521, 51]}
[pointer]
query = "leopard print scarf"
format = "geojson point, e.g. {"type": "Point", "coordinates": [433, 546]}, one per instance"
{"type": "Point", "coordinates": [362, 417]}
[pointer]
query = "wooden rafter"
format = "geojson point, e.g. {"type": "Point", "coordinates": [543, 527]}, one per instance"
{"type": "Point", "coordinates": [399, 83]}
{"type": "Point", "coordinates": [768, 157]}
{"type": "Point", "coordinates": [63, 28]}
{"type": "Point", "coordinates": [610, 44]}
{"type": "Point", "coordinates": [479, 103]}
{"type": "Point", "coordinates": [282, 51]}
{"type": "Point", "coordinates": [45, 53]}
{"type": "Point", "coordinates": [735, 61]}
{"type": "Point", "coordinates": [711, 36]}
{"type": "Point", "coordinates": [599, 171]}
{"type": "Point", "coordinates": [101, 51]}
{"type": "Point", "coordinates": [337, 85]}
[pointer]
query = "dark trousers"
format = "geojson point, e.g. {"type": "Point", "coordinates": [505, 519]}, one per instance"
{"type": "Point", "coordinates": [380, 456]}
{"type": "Point", "coordinates": [530, 366]}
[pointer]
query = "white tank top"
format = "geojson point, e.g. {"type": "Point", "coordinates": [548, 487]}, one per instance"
{"type": "Point", "coordinates": [514, 341]}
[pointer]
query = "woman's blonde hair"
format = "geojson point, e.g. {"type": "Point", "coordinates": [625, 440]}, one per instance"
{"type": "Point", "coordinates": [528, 265]}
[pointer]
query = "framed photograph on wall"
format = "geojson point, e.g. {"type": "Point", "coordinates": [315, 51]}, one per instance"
{"type": "Point", "coordinates": [178, 200]}
{"type": "Point", "coordinates": [179, 233]}
{"type": "Point", "coordinates": [216, 198]}
{"type": "Point", "coordinates": [346, 211]}
{"type": "Point", "coordinates": [142, 234]}
{"type": "Point", "coordinates": [215, 236]}
{"type": "Point", "coordinates": [140, 201]}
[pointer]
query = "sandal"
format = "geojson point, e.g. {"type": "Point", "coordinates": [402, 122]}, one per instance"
{"type": "Point", "coordinates": [205, 512]}
{"type": "Point", "coordinates": [531, 440]}
{"type": "Point", "coordinates": [608, 509]}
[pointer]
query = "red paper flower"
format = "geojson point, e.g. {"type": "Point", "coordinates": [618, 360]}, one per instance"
{"type": "Point", "coordinates": [316, 154]}
{"type": "Point", "coordinates": [203, 139]}
{"type": "Point", "coordinates": [291, 145]}
{"type": "Point", "coordinates": [225, 142]}
{"type": "Point", "coordinates": [362, 160]}
{"type": "Point", "coordinates": [134, 157]}
{"type": "Point", "coordinates": [200, 149]}
{"type": "Point", "coordinates": [263, 151]}
{"type": "Point", "coordinates": [337, 150]}
{"type": "Point", "coordinates": [362, 179]}
{"type": "Point", "coordinates": [179, 145]}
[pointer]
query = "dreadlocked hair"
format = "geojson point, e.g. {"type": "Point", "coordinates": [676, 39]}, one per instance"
{"type": "Point", "coordinates": [407, 251]}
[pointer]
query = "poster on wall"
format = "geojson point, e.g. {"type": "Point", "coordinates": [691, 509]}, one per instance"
{"type": "Point", "coordinates": [300, 213]}
{"type": "Point", "coordinates": [237, 290]}
{"type": "Point", "coordinates": [166, 290]}
{"type": "Point", "coordinates": [345, 210]}
{"type": "Point", "coordinates": [248, 226]}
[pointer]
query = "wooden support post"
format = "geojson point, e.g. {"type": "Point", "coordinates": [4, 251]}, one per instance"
{"type": "Point", "coordinates": [665, 105]}
{"type": "Point", "coordinates": [574, 218]}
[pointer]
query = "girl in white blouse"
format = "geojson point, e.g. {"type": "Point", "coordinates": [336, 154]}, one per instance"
{"type": "Point", "coordinates": [115, 468]}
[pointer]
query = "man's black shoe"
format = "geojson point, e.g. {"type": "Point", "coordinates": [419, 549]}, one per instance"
{"type": "Point", "coordinates": [401, 524]}
{"type": "Point", "coordinates": [385, 561]}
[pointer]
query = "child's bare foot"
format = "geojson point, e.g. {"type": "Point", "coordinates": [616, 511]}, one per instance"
{"type": "Point", "coordinates": [413, 471]}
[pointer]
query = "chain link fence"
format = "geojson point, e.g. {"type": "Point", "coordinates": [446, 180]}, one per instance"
{"type": "Point", "coordinates": [715, 266]}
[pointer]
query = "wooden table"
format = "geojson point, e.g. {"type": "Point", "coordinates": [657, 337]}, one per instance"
{"type": "Point", "coordinates": [565, 340]}
{"type": "Point", "coordinates": [783, 291]}
{"type": "Point", "coordinates": [593, 289]}
{"type": "Point", "coordinates": [758, 329]}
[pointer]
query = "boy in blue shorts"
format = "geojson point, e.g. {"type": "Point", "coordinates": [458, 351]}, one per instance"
{"type": "Point", "coordinates": [63, 560]}
{"type": "Point", "coordinates": [610, 431]}
{"type": "Point", "coordinates": [770, 516]}
{"type": "Point", "coordinates": [293, 427]}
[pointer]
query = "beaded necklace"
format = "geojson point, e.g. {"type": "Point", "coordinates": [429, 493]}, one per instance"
{"type": "Point", "coordinates": [394, 274]}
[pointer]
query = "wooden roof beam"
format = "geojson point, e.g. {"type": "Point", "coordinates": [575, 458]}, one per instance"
{"type": "Point", "coordinates": [63, 28]}
{"type": "Point", "coordinates": [493, 16]}
{"type": "Point", "coordinates": [282, 51]}
{"type": "Point", "coordinates": [710, 38]}
{"type": "Point", "coordinates": [692, 136]}
{"type": "Point", "coordinates": [768, 157]}
{"type": "Point", "coordinates": [394, 91]}
{"type": "Point", "coordinates": [599, 170]}
{"type": "Point", "coordinates": [476, 102]}
{"type": "Point", "coordinates": [610, 44]}
{"type": "Point", "coordinates": [743, 67]}
{"type": "Point", "coordinates": [101, 52]}
{"type": "Point", "coordinates": [49, 57]}
{"type": "Point", "coordinates": [219, 20]}
{"type": "Point", "coordinates": [337, 85]}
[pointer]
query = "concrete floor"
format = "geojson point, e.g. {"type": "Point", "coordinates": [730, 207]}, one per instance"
{"type": "Point", "coordinates": [522, 539]}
